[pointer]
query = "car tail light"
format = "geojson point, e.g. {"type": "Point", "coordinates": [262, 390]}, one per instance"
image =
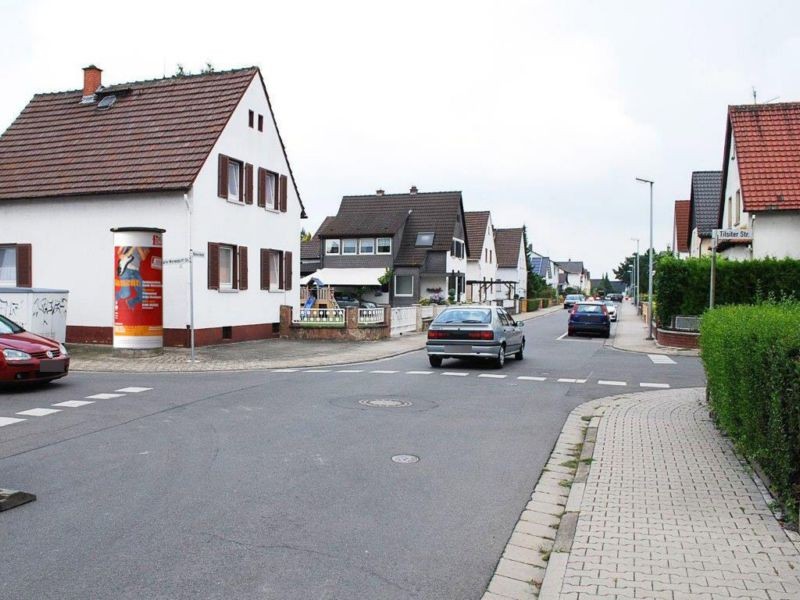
{"type": "Point", "coordinates": [605, 309]}
{"type": "Point", "coordinates": [481, 335]}
{"type": "Point", "coordinates": [436, 335]}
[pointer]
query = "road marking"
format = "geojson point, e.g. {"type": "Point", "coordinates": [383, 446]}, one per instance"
{"type": "Point", "coordinates": [104, 396]}
{"type": "Point", "coordinates": [562, 336]}
{"type": "Point", "coordinates": [317, 371]}
{"type": "Point", "coordinates": [350, 371]}
{"type": "Point", "coordinates": [567, 380]}
{"type": "Point", "coordinates": [9, 421]}
{"type": "Point", "coordinates": [489, 376]}
{"type": "Point", "coordinates": [661, 359]}
{"type": "Point", "coordinates": [133, 390]}
{"type": "Point", "coordinates": [383, 372]}
{"type": "Point", "coordinates": [580, 381]}
{"type": "Point", "coordinates": [39, 412]}
{"type": "Point", "coordinates": [654, 385]}
{"type": "Point", "coordinates": [285, 370]}
{"type": "Point", "coordinates": [526, 378]}
{"type": "Point", "coordinates": [455, 374]}
{"type": "Point", "coordinates": [74, 403]}
{"type": "Point", "coordinates": [605, 382]}
{"type": "Point", "coordinates": [419, 372]}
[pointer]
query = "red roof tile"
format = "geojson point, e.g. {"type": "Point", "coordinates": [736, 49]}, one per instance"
{"type": "Point", "coordinates": [682, 224]}
{"type": "Point", "coordinates": [767, 140]}
{"type": "Point", "coordinates": [508, 245]}
{"type": "Point", "coordinates": [154, 138]}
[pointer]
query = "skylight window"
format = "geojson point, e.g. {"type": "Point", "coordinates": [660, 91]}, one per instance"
{"type": "Point", "coordinates": [107, 102]}
{"type": "Point", "coordinates": [425, 239]}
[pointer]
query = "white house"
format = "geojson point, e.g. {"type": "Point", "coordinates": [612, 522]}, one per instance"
{"type": "Point", "coordinates": [482, 258]}
{"type": "Point", "coordinates": [199, 156]}
{"type": "Point", "coordinates": [545, 268]}
{"type": "Point", "coordinates": [572, 274]}
{"type": "Point", "coordinates": [761, 180]}
{"type": "Point", "coordinates": [511, 262]}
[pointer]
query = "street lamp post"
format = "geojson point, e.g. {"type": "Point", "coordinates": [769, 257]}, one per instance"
{"type": "Point", "coordinates": [636, 267]}
{"type": "Point", "coordinates": [650, 272]}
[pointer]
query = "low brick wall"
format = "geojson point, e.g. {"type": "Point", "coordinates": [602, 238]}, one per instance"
{"type": "Point", "coordinates": [349, 331]}
{"type": "Point", "coordinates": [678, 339]}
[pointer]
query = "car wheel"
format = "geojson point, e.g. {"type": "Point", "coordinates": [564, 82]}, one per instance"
{"type": "Point", "coordinates": [570, 333]}
{"type": "Point", "coordinates": [607, 334]}
{"type": "Point", "coordinates": [500, 361]}
{"type": "Point", "coordinates": [519, 354]}
{"type": "Point", "coordinates": [436, 361]}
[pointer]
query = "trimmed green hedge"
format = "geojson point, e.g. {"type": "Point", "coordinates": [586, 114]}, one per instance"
{"type": "Point", "coordinates": [751, 356]}
{"type": "Point", "coordinates": [682, 286]}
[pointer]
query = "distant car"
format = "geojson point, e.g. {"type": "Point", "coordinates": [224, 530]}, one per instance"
{"type": "Point", "coordinates": [573, 299]}
{"type": "Point", "coordinates": [589, 317]}
{"type": "Point", "coordinates": [367, 304]}
{"type": "Point", "coordinates": [612, 309]}
{"type": "Point", "coordinates": [29, 358]}
{"type": "Point", "coordinates": [344, 300]}
{"type": "Point", "coordinates": [487, 332]}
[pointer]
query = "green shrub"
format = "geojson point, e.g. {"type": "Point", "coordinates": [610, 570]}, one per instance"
{"type": "Point", "coordinates": [682, 286]}
{"type": "Point", "coordinates": [751, 356]}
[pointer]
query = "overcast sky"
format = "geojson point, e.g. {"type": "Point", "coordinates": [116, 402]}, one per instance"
{"type": "Point", "coordinates": [542, 112]}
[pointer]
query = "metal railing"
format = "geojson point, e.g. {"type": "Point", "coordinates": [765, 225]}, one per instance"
{"type": "Point", "coordinates": [319, 315]}
{"type": "Point", "coordinates": [370, 316]}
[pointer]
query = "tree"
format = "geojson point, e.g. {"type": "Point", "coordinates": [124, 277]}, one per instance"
{"type": "Point", "coordinates": [209, 68]}
{"type": "Point", "coordinates": [529, 277]}
{"type": "Point", "coordinates": [623, 271]}
{"type": "Point", "coordinates": [305, 236]}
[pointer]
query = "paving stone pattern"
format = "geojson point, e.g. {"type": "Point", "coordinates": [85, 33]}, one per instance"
{"type": "Point", "coordinates": [669, 511]}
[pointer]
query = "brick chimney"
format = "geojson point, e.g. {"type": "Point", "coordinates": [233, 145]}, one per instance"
{"type": "Point", "coordinates": [379, 192]}
{"type": "Point", "coordinates": [91, 82]}
{"type": "Point", "coordinates": [413, 189]}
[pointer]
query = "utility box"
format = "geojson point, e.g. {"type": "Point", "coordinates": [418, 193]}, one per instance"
{"type": "Point", "coordinates": [38, 310]}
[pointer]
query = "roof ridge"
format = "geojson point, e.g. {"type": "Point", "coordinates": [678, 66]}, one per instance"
{"type": "Point", "coordinates": [751, 107]}
{"type": "Point", "coordinates": [401, 194]}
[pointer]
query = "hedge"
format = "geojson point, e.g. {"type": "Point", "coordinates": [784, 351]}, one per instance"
{"type": "Point", "coordinates": [751, 356]}
{"type": "Point", "coordinates": [682, 286]}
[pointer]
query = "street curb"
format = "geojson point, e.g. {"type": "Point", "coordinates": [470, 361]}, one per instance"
{"type": "Point", "coordinates": [537, 314]}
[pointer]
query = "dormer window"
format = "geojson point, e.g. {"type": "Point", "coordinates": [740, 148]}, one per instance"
{"type": "Point", "coordinates": [457, 248]}
{"type": "Point", "coordinates": [425, 239]}
{"type": "Point", "coordinates": [349, 246]}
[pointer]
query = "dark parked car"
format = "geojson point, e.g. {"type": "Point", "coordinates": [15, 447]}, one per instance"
{"type": "Point", "coordinates": [475, 332]}
{"type": "Point", "coordinates": [573, 299]}
{"type": "Point", "coordinates": [589, 317]}
{"type": "Point", "coordinates": [27, 357]}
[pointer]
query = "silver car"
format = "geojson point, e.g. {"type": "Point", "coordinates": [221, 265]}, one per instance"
{"type": "Point", "coordinates": [475, 332]}
{"type": "Point", "coordinates": [612, 309]}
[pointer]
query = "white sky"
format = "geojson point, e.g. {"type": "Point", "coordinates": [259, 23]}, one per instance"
{"type": "Point", "coordinates": [542, 112]}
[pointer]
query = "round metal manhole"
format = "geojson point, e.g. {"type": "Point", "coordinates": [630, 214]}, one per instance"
{"type": "Point", "coordinates": [405, 459]}
{"type": "Point", "coordinates": [385, 403]}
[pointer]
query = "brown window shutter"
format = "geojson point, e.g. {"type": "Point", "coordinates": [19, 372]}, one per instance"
{"type": "Point", "coordinates": [261, 122]}
{"type": "Point", "coordinates": [281, 271]}
{"type": "Point", "coordinates": [213, 266]}
{"type": "Point", "coordinates": [283, 192]}
{"type": "Point", "coordinates": [262, 187]}
{"type": "Point", "coordinates": [235, 274]}
{"type": "Point", "coordinates": [241, 182]}
{"type": "Point", "coordinates": [24, 266]}
{"type": "Point", "coordinates": [264, 269]}
{"type": "Point", "coordinates": [242, 267]}
{"type": "Point", "coordinates": [248, 183]}
{"type": "Point", "coordinates": [222, 177]}
{"type": "Point", "coordinates": [287, 259]}
{"type": "Point", "coordinates": [276, 196]}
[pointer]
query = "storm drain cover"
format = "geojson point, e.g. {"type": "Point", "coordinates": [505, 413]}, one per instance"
{"type": "Point", "coordinates": [385, 403]}
{"type": "Point", "coordinates": [405, 459]}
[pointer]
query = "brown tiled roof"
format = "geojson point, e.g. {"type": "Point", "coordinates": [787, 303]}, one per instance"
{"type": "Point", "coordinates": [767, 138]}
{"type": "Point", "coordinates": [422, 212]}
{"type": "Point", "coordinates": [475, 224]}
{"type": "Point", "coordinates": [507, 245]}
{"type": "Point", "coordinates": [682, 224]}
{"type": "Point", "coordinates": [155, 137]}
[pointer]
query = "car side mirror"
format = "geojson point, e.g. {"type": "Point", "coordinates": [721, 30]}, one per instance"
{"type": "Point", "coordinates": [519, 323]}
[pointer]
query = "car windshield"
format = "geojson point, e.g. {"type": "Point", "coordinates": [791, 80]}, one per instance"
{"type": "Point", "coordinates": [574, 297]}
{"type": "Point", "coordinates": [589, 308]}
{"type": "Point", "coordinates": [8, 326]}
{"type": "Point", "coordinates": [465, 315]}
{"type": "Point", "coordinates": [609, 303]}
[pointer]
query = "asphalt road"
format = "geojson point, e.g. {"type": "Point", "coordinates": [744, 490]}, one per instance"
{"type": "Point", "coordinates": [281, 485]}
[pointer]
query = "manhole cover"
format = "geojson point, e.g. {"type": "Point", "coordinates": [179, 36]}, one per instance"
{"type": "Point", "coordinates": [405, 459]}
{"type": "Point", "coordinates": [385, 403]}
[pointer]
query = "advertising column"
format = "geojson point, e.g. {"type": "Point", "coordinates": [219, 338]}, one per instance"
{"type": "Point", "coordinates": [138, 291]}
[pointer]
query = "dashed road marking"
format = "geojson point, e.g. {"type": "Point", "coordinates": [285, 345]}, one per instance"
{"type": "Point", "coordinates": [455, 374]}
{"type": "Point", "coordinates": [9, 421]}
{"type": "Point", "coordinates": [654, 385]}
{"type": "Point", "coordinates": [490, 376]}
{"type": "Point", "coordinates": [285, 370]}
{"type": "Point", "coordinates": [104, 396]}
{"type": "Point", "coordinates": [526, 378]}
{"type": "Point", "coordinates": [317, 371]}
{"type": "Point", "coordinates": [350, 371]}
{"type": "Point", "coordinates": [661, 359]}
{"type": "Point", "coordinates": [562, 336]}
{"type": "Point", "coordinates": [39, 412]}
{"type": "Point", "coordinates": [382, 372]}
{"type": "Point", "coordinates": [606, 382]}
{"type": "Point", "coordinates": [133, 390]}
{"type": "Point", "coordinates": [419, 372]}
{"type": "Point", "coordinates": [74, 403]}
{"type": "Point", "coordinates": [567, 380]}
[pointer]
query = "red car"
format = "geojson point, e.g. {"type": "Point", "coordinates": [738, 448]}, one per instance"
{"type": "Point", "coordinates": [27, 357]}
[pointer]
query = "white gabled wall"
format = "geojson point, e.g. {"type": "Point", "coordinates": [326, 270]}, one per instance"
{"type": "Point", "coordinates": [776, 234]}
{"type": "Point", "coordinates": [485, 267]}
{"type": "Point", "coordinates": [731, 217]}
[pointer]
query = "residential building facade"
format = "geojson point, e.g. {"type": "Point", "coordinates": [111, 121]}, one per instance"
{"type": "Point", "coordinates": [680, 229]}
{"type": "Point", "coordinates": [511, 263]}
{"type": "Point", "coordinates": [482, 259]}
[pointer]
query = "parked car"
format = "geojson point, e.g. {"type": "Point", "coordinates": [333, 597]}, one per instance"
{"type": "Point", "coordinates": [27, 357]}
{"type": "Point", "coordinates": [573, 299]}
{"type": "Point", "coordinates": [487, 332]}
{"type": "Point", "coordinates": [589, 317]}
{"type": "Point", "coordinates": [612, 309]}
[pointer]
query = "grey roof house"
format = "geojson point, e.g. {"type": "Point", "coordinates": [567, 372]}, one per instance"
{"type": "Point", "coordinates": [704, 210]}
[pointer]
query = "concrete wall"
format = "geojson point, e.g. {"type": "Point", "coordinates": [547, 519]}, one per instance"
{"type": "Point", "coordinates": [776, 234]}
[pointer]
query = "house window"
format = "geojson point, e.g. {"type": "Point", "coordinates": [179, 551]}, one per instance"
{"type": "Point", "coordinates": [738, 206]}
{"type": "Point", "coordinates": [730, 211]}
{"type": "Point", "coordinates": [250, 117]}
{"type": "Point", "coordinates": [366, 246]}
{"type": "Point", "coordinates": [275, 279]}
{"type": "Point", "coordinates": [8, 266]}
{"type": "Point", "coordinates": [425, 239]}
{"type": "Point", "coordinates": [403, 285]}
{"type": "Point", "coordinates": [332, 247]}
{"type": "Point", "coordinates": [457, 248]}
{"type": "Point", "coordinates": [226, 267]}
{"type": "Point", "coordinates": [271, 189]}
{"type": "Point", "coordinates": [384, 245]}
{"type": "Point", "coordinates": [234, 181]}
{"type": "Point", "coordinates": [349, 246]}
{"type": "Point", "coordinates": [261, 122]}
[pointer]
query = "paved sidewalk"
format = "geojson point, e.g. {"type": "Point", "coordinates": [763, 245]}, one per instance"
{"type": "Point", "coordinates": [631, 334]}
{"type": "Point", "coordinates": [262, 354]}
{"type": "Point", "coordinates": [669, 511]}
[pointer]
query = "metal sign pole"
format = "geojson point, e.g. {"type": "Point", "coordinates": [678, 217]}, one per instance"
{"type": "Point", "coordinates": [713, 283]}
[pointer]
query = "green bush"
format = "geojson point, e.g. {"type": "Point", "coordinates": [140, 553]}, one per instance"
{"type": "Point", "coordinates": [682, 286]}
{"type": "Point", "coordinates": [751, 356]}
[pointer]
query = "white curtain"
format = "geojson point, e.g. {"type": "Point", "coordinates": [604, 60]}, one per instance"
{"type": "Point", "coordinates": [8, 267]}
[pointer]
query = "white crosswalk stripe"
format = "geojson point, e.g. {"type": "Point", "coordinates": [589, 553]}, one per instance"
{"type": "Point", "coordinates": [317, 371]}
{"type": "Point", "coordinates": [285, 370]}
{"type": "Point", "coordinates": [455, 374]}
{"type": "Point", "coordinates": [654, 385]}
{"type": "Point", "coordinates": [419, 372]}
{"type": "Point", "coordinates": [661, 359]}
{"type": "Point", "coordinates": [73, 403]}
{"type": "Point", "coordinates": [38, 412]}
{"type": "Point", "coordinates": [9, 421]}
{"type": "Point", "coordinates": [104, 396]}
{"type": "Point", "coordinates": [526, 378]}
{"type": "Point", "coordinates": [383, 372]}
{"type": "Point", "coordinates": [490, 376]}
{"type": "Point", "coordinates": [350, 371]}
{"type": "Point", "coordinates": [134, 390]}
{"type": "Point", "coordinates": [606, 382]}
